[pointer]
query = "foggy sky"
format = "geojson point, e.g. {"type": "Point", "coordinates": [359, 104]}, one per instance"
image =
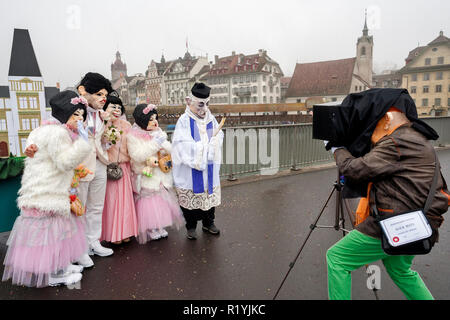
{"type": "Point", "coordinates": [73, 37]}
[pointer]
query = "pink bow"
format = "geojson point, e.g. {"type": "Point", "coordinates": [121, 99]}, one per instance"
{"type": "Point", "coordinates": [149, 108]}
{"type": "Point", "coordinates": [78, 100]}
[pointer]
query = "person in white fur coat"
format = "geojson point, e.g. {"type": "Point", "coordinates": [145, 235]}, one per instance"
{"type": "Point", "coordinates": [155, 199]}
{"type": "Point", "coordinates": [46, 238]}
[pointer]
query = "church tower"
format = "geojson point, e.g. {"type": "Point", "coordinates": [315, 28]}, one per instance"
{"type": "Point", "coordinates": [364, 54]}
{"type": "Point", "coordinates": [118, 68]}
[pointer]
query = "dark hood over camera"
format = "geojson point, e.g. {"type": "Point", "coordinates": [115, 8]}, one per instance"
{"type": "Point", "coordinates": [360, 113]}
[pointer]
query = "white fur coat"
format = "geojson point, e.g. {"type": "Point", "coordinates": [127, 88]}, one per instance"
{"type": "Point", "coordinates": [47, 176]}
{"type": "Point", "coordinates": [141, 146]}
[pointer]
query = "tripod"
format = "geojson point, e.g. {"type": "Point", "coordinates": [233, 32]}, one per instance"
{"type": "Point", "coordinates": [339, 224]}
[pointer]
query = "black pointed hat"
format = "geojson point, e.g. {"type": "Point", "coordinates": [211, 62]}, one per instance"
{"type": "Point", "coordinates": [200, 90]}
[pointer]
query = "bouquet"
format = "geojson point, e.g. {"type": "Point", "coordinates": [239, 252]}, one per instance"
{"type": "Point", "coordinates": [112, 134]}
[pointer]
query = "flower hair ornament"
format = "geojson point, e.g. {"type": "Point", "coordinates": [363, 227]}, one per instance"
{"type": "Point", "coordinates": [79, 100]}
{"type": "Point", "coordinates": [149, 108]}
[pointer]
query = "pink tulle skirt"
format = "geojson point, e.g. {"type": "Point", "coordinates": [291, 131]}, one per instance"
{"type": "Point", "coordinates": [42, 243]}
{"type": "Point", "coordinates": [156, 210]}
{"type": "Point", "coordinates": [119, 219]}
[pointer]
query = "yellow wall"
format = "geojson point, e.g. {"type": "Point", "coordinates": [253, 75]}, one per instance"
{"type": "Point", "coordinates": [419, 70]}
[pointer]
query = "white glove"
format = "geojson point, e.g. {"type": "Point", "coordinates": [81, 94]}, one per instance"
{"type": "Point", "coordinates": [160, 139]}
{"type": "Point", "coordinates": [333, 149]}
{"type": "Point", "coordinates": [214, 141]}
{"type": "Point", "coordinates": [82, 131]}
{"type": "Point", "coordinates": [212, 146]}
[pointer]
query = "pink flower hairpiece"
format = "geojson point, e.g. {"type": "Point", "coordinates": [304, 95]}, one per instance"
{"type": "Point", "coordinates": [149, 108]}
{"type": "Point", "coordinates": [78, 100]}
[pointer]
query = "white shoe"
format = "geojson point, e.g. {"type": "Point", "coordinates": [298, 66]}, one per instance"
{"type": "Point", "coordinates": [163, 233]}
{"type": "Point", "coordinates": [65, 278]}
{"type": "Point", "coordinates": [85, 261]}
{"type": "Point", "coordinates": [73, 268]}
{"type": "Point", "coordinates": [98, 249]}
{"type": "Point", "coordinates": [153, 234]}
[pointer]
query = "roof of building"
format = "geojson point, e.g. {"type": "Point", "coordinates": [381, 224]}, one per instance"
{"type": "Point", "coordinates": [284, 81]}
{"type": "Point", "coordinates": [440, 39]}
{"type": "Point", "coordinates": [4, 92]}
{"type": "Point", "coordinates": [322, 78]}
{"type": "Point", "coordinates": [392, 74]}
{"type": "Point", "coordinates": [188, 62]}
{"type": "Point", "coordinates": [49, 93]}
{"type": "Point", "coordinates": [118, 64]}
{"type": "Point", "coordinates": [416, 52]}
{"type": "Point", "coordinates": [23, 60]}
{"type": "Point", "coordinates": [241, 64]}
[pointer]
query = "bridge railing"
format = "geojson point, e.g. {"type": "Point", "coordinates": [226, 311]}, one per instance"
{"type": "Point", "coordinates": [265, 150]}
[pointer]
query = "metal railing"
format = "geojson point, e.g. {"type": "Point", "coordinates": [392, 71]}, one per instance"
{"type": "Point", "coordinates": [294, 148]}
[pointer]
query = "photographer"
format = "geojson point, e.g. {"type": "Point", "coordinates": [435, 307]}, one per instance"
{"type": "Point", "coordinates": [400, 167]}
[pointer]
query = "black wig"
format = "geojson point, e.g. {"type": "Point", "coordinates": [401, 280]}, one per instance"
{"type": "Point", "coordinates": [94, 82]}
{"type": "Point", "coordinates": [142, 118]}
{"type": "Point", "coordinates": [114, 100]}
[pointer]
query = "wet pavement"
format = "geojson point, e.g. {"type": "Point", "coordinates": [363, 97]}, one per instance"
{"type": "Point", "coordinates": [263, 222]}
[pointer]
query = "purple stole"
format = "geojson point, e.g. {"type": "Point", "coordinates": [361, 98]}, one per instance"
{"type": "Point", "coordinates": [197, 175]}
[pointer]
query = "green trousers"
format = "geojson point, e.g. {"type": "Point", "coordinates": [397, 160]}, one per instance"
{"type": "Point", "coordinates": [356, 250]}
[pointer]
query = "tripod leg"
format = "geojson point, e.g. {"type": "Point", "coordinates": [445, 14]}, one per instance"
{"type": "Point", "coordinates": [312, 227]}
{"type": "Point", "coordinates": [342, 217]}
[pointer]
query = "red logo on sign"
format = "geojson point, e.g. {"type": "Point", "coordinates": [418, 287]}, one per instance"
{"type": "Point", "coordinates": [396, 239]}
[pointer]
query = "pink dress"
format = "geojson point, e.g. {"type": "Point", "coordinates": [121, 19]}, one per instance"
{"type": "Point", "coordinates": [119, 214]}
{"type": "Point", "coordinates": [156, 202]}
{"type": "Point", "coordinates": [41, 241]}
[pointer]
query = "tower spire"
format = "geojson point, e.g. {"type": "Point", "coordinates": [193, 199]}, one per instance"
{"type": "Point", "coordinates": [365, 30]}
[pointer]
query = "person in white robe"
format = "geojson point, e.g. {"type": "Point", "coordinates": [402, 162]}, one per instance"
{"type": "Point", "coordinates": [197, 155]}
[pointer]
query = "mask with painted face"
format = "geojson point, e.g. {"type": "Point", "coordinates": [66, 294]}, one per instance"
{"type": "Point", "coordinates": [198, 106]}
{"type": "Point", "coordinates": [72, 123]}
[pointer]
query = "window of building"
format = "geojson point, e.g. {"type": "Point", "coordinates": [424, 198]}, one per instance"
{"type": "Point", "coordinates": [427, 61]}
{"type": "Point", "coordinates": [440, 60]}
{"type": "Point", "coordinates": [413, 89]}
{"type": "Point", "coordinates": [438, 88]}
{"type": "Point", "coordinates": [439, 75]}
{"type": "Point", "coordinates": [264, 99]}
{"type": "Point", "coordinates": [254, 99]}
{"type": "Point", "coordinates": [437, 102]}
{"type": "Point", "coordinates": [363, 51]}
{"type": "Point", "coordinates": [448, 102]}
{"type": "Point", "coordinates": [33, 103]}
{"type": "Point", "coordinates": [23, 103]}
{"type": "Point", "coordinates": [34, 123]}
{"type": "Point", "coordinates": [414, 77]}
{"type": "Point", "coordinates": [25, 124]}
{"type": "Point", "coordinates": [426, 76]}
{"type": "Point", "coordinates": [3, 126]}
{"type": "Point", "coordinates": [425, 102]}
{"type": "Point", "coordinates": [23, 142]}
{"type": "Point", "coordinates": [426, 89]}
